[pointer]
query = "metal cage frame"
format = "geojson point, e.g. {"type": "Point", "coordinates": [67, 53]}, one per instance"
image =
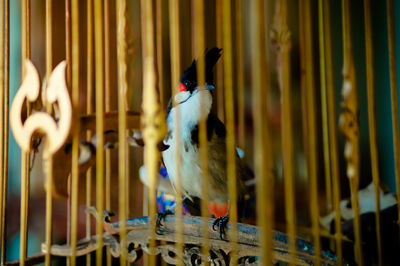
{"type": "Point", "coordinates": [55, 111]}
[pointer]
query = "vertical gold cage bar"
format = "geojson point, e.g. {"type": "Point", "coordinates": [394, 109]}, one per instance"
{"type": "Point", "coordinates": [324, 108]}
{"type": "Point", "coordinates": [199, 45]}
{"type": "Point", "coordinates": [89, 110]}
{"type": "Point", "coordinates": [49, 205]}
{"type": "Point", "coordinates": [287, 141]}
{"type": "Point", "coordinates": [49, 164]}
{"type": "Point", "coordinates": [76, 128]}
{"type": "Point", "coordinates": [351, 133]}
{"type": "Point", "coordinates": [230, 127]}
{"type": "Point", "coordinates": [159, 42]}
{"type": "Point", "coordinates": [312, 130]}
{"type": "Point", "coordinates": [49, 41]}
{"type": "Point", "coordinates": [122, 89]}
{"type": "Point", "coordinates": [127, 147]}
{"type": "Point", "coordinates": [25, 182]}
{"type": "Point", "coordinates": [99, 52]}
{"type": "Point", "coordinates": [146, 195]}
{"type": "Point", "coordinates": [107, 81]}
{"type": "Point", "coordinates": [68, 40]}
{"type": "Point", "coordinates": [4, 184]}
{"type": "Point", "coordinates": [393, 93]}
{"type": "Point", "coordinates": [25, 31]}
{"type": "Point", "coordinates": [302, 47]}
{"type": "Point", "coordinates": [175, 72]}
{"type": "Point", "coordinates": [2, 70]}
{"type": "Point", "coordinates": [262, 155]}
{"type": "Point", "coordinates": [24, 208]}
{"type": "Point", "coordinates": [240, 74]}
{"type": "Point", "coordinates": [68, 57]}
{"type": "Point", "coordinates": [151, 117]}
{"type": "Point", "coordinates": [371, 121]}
{"type": "Point", "coordinates": [333, 131]}
{"type": "Point", "coordinates": [219, 67]}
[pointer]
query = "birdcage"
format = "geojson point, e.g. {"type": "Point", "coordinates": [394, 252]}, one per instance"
{"type": "Point", "coordinates": [86, 126]}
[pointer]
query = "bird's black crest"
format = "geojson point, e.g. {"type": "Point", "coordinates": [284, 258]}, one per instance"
{"type": "Point", "coordinates": [189, 77]}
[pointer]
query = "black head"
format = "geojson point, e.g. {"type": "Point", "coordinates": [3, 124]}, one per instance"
{"type": "Point", "coordinates": [189, 77]}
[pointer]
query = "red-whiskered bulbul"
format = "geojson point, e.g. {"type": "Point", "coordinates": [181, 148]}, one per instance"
{"type": "Point", "coordinates": [188, 101]}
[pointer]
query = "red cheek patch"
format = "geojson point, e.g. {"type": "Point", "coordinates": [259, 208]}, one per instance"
{"type": "Point", "coordinates": [218, 209]}
{"type": "Point", "coordinates": [182, 87]}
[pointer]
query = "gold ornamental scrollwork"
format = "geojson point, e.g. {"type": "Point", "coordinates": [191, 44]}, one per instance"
{"type": "Point", "coordinates": [55, 93]}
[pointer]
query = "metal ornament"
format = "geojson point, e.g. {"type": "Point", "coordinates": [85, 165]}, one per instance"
{"type": "Point", "coordinates": [56, 92]}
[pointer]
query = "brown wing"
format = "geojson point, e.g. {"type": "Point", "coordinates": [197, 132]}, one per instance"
{"type": "Point", "coordinates": [218, 162]}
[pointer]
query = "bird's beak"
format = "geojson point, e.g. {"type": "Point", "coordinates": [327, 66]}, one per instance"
{"type": "Point", "coordinates": [209, 87]}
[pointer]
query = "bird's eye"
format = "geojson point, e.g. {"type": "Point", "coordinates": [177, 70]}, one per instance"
{"type": "Point", "coordinates": [186, 83]}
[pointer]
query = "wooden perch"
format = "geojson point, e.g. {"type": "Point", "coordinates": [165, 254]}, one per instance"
{"type": "Point", "coordinates": [248, 241]}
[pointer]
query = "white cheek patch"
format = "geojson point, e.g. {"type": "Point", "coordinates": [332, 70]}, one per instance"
{"type": "Point", "coordinates": [182, 96]}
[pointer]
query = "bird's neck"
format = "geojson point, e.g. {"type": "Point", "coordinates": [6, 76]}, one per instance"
{"type": "Point", "coordinates": [191, 112]}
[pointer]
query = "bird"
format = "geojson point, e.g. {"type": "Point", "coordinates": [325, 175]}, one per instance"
{"type": "Point", "coordinates": [193, 102]}
{"type": "Point", "coordinates": [389, 229]}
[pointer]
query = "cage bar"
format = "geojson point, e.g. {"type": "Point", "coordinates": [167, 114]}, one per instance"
{"type": "Point", "coordinates": [303, 85]}
{"type": "Point", "coordinates": [152, 121]}
{"type": "Point", "coordinates": [49, 40]}
{"type": "Point", "coordinates": [230, 127]}
{"type": "Point", "coordinates": [393, 94]}
{"type": "Point", "coordinates": [372, 122]}
{"type": "Point", "coordinates": [4, 181]}
{"type": "Point", "coordinates": [324, 107]}
{"type": "Point", "coordinates": [76, 129]}
{"type": "Point", "coordinates": [99, 72]}
{"type": "Point", "coordinates": [332, 124]}
{"type": "Point", "coordinates": [68, 57]}
{"type": "Point", "coordinates": [122, 89]}
{"type": "Point", "coordinates": [240, 74]}
{"type": "Point", "coordinates": [25, 158]}
{"type": "Point", "coordinates": [199, 46]}
{"type": "Point", "coordinates": [89, 110]}
{"type": "Point", "coordinates": [49, 165]}
{"type": "Point", "coordinates": [160, 54]}
{"type": "Point", "coordinates": [107, 99]}
{"type": "Point", "coordinates": [24, 208]}
{"type": "Point", "coordinates": [68, 54]}
{"type": "Point", "coordinates": [287, 141]}
{"type": "Point", "coordinates": [312, 129]}
{"type": "Point", "coordinates": [262, 156]}
{"type": "Point", "coordinates": [349, 126]}
{"type": "Point", "coordinates": [2, 155]}
{"type": "Point", "coordinates": [174, 9]}
{"type": "Point", "coordinates": [219, 67]}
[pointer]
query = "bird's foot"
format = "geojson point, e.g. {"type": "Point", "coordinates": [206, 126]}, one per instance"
{"type": "Point", "coordinates": [107, 216]}
{"type": "Point", "coordinates": [221, 223]}
{"type": "Point", "coordinates": [161, 217]}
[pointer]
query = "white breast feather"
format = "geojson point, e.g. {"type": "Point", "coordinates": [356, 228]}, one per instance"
{"type": "Point", "coordinates": [190, 115]}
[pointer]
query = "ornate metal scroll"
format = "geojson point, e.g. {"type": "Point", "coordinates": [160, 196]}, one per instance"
{"type": "Point", "coordinates": [56, 133]}
{"type": "Point", "coordinates": [56, 92]}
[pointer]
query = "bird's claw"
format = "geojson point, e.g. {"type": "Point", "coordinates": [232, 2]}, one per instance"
{"type": "Point", "coordinates": [221, 223]}
{"type": "Point", "coordinates": [161, 217]}
{"type": "Point", "coordinates": [107, 216]}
